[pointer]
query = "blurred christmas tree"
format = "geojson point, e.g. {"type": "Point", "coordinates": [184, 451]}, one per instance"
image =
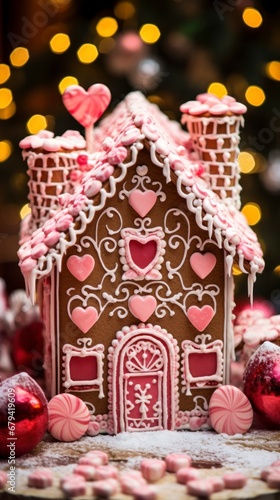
{"type": "Point", "coordinates": [170, 50]}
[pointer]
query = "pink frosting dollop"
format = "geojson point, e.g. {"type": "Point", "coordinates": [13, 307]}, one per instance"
{"type": "Point", "coordinates": [214, 106]}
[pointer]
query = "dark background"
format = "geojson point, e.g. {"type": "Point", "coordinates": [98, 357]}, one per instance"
{"type": "Point", "coordinates": [201, 42]}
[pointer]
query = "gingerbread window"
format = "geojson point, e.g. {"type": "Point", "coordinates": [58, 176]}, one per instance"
{"type": "Point", "coordinates": [202, 363]}
{"type": "Point", "coordinates": [83, 367]}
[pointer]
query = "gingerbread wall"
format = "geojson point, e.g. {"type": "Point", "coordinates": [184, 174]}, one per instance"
{"type": "Point", "coordinates": [185, 298]}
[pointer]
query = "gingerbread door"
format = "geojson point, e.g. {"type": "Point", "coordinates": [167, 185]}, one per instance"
{"type": "Point", "coordinates": [144, 371]}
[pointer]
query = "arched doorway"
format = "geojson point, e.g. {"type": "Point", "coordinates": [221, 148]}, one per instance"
{"type": "Point", "coordinates": [143, 379]}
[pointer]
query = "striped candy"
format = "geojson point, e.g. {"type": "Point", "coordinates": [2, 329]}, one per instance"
{"type": "Point", "coordinates": [86, 106]}
{"type": "Point", "coordinates": [68, 417]}
{"type": "Point", "coordinates": [230, 411]}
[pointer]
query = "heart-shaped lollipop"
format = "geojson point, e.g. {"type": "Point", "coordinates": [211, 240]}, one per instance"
{"type": "Point", "coordinates": [87, 106]}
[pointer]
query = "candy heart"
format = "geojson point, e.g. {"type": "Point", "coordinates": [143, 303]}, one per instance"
{"type": "Point", "coordinates": [84, 319]}
{"type": "Point", "coordinates": [80, 267]}
{"type": "Point", "coordinates": [200, 317]}
{"type": "Point", "coordinates": [203, 263]}
{"type": "Point", "coordinates": [262, 384]}
{"type": "Point", "coordinates": [142, 202]}
{"type": "Point", "coordinates": [86, 106]}
{"type": "Point", "coordinates": [142, 307]}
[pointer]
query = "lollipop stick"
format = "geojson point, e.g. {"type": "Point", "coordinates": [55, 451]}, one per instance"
{"type": "Point", "coordinates": [89, 139]}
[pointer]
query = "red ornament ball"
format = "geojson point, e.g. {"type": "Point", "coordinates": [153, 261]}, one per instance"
{"type": "Point", "coordinates": [262, 384]}
{"type": "Point", "coordinates": [23, 415]}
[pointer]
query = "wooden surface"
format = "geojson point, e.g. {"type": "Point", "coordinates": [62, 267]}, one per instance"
{"type": "Point", "coordinates": [213, 454]}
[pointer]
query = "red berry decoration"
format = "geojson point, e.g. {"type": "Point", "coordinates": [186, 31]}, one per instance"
{"type": "Point", "coordinates": [23, 415]}
{"type": "Point", "coordinates": [262, 384]}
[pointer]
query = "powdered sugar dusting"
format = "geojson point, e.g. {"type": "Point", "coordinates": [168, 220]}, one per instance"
{"type": "Point", "coordinates": [254, 450]}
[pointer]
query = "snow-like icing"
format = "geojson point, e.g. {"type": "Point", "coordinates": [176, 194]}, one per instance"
{"type": "Point", "coordinates": [133, 121]}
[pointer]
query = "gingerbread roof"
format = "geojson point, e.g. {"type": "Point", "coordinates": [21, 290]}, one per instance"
{"type": "Point", "coordinates": [136, 123]}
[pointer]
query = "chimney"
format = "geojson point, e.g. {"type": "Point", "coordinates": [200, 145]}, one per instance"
{"type": "Point", "coordinates": [50, 161]}
{"type": "Point", "coordinates": [214, 125]}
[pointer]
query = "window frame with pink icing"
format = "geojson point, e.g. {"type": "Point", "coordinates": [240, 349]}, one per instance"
{"type": "Point", "coordinates": [70, 351]}
{"type": "Point", "coordinates": [201, 381]}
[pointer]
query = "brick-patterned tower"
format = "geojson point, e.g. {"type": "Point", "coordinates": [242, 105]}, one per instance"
{"type": "Point", "coordinates": [50, 161]}
{"type": "Point", "coordinates": [214, 125]}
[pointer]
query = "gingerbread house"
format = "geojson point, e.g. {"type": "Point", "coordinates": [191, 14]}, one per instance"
{"type": "Point", "coordinates": [133, 272]}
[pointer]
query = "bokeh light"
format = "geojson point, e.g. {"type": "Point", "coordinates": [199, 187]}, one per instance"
{"type": "Point", "coordinates": [252, 17]}
{"type": "Point", "coordinates": [60, 43]}
{"type": "Point", "coordinates": [36, 123]}
{"type": "Point", "coordinates": [149, 33]}
{"type": "Point", "coordinates": [5, 73]}
{"type": "Point", "coordinates": [66, 81]}
{"type": "Point", "coordinates": [218, 89]}
{"type": "Point", "coordinates": [255, 95]}
{"type": "Point", "coordinates": [5, 150]}
{"type": "Point", "coordinates": [124, 10]}
{"type": "Point", "coordinates": [246, 162]}
{"type": "Point", "coordinates": [252, 212]}
{"type": "Point", "coordinates": [25, 210]}
{"type": "Point", "coordinates": [19, 57]}
{"type": "Point", "coordinates": [8, 111]}
{"type": "Point", "coordinates": [272, 70]}
{"type": "Point", "coordinates": [6, 97]}
{"type": "Point", "coordinates": [236, 271]}
{"type": "Point", "coordinates": [87, 53]}
{"type": "Point", "coordinates": [106, 27]}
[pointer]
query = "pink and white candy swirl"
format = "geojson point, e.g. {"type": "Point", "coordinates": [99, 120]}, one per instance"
{"type": "Point", "coordinates": [68, 417]}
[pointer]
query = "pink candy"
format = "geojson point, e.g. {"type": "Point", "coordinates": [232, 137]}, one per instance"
{"type": "Point", "coordinates": [200, 488]}
{"type": "Point", "coordinates": [68, 417]}
{"type": "Point", "coordinates": [106, 472]}
{"type": "Point", "coordinates": [93, 461]}
{"type": "Point", "coordinates": [186, 474]}
{"type": "Point", "coordinates": [105, 488]}
{"type": "Point", "coordinates": [100, 454]}
{"type": "Point", "coordinates": [217, 483]}
{"type": "Point", "coordinates": [234, 480]}
{"type": "Point", "coordinates": [40, 478]}
{"type": "Point", "coordinates": [74, 488]}
{"type": "Point", "coordinates": [87, 471]}
{"type": "Point", "coordinates": [273, 479]}
{"type": "Point", "coordinates": [175, 461]}
{"type": "Point", "coordinates": [153, 469]}
{"type": "Point", "coordinates": [145, 493]}
{"type": "Point", "coordinates": [230, 411]}
{"type": "Point", "coordinates": [129, 483]}
{"type": "Point", "coordinates": [72, 478]}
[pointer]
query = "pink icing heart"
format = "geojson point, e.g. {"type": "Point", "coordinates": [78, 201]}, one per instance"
{"type": "Point", "coordinates": [86, 106]}
{"type": "Point", "coordinates": [84, 319]}
{"type": "Point", "coordinates": [200, 317]}
{"type": "Point", "coordinates": [142, 307]}
{"type": "Point", "coordinates": [80, 267]}
{"type": "Point", "coordinates": [203, 263]}
{"type": "Point", "coordinates": [142, 202]}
